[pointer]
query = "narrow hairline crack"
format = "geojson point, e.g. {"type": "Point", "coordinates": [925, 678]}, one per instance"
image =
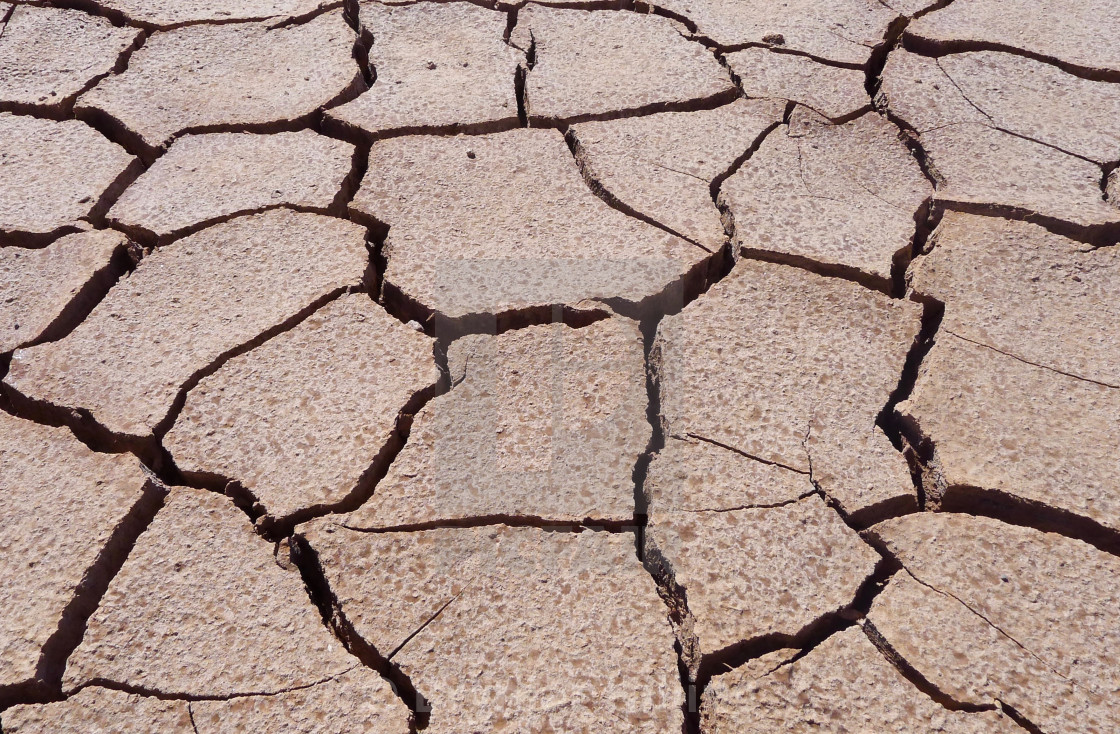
{"type": "Point", "coordinates": [1032, 364]}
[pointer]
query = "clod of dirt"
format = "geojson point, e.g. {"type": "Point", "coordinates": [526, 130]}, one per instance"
{"type": "Point", "coordinates": [971, 661]}
{"type": "Point", "coordinates": [241, 76]}
{"type": "Point", "coordinates": [299, 420]}
{"type": "Point", "coordinates": [513, 628]}
{"type": "Point", "coordinates": [545, 422]}
{"type": "Point", "coordinates": [64, 507]}
{"type": "Point", "coordinates": [662, 166]}
{"type": "Point", "coordinates": [1004, 425]}
{"type": "Point", "coordinates": [978, 164]}
{"type": "Point", "coordinates": [792, 368]}
{"type": "Point", "coordinates": [49, 55]}
{"type": "Point", "coordinates": [185, 307]}
{"type": "Point", "coordinates": [201, 609]}
{"type": "Point", "coordinates": [833, 91]}
{"type": "Point", "coordinates": [41, 291]}
{"type": "Point", "coordinates": [101, 709]}
{"type": "Point", "coordinates": [158, 14]}
{"type": "Point", "coordinates": [843, 31]}
{"type": "Point", "coordinates": [207, 177]}
{"type": "Point", "coordinates": [440, 66]}
{"type": "Point", "coordinates": [514, 228]}
{"type": "Point", "coordinates": [1052, 599]}
{"type": "Point", "coordinates": [757, 572]}
{"type": "Point", "coordinates": [1079, 34]}
{"type": "Point", "coordinates": [845, 196]}
{"type": "Point", "coordinates": [844, 684]}
{"type": "Point", "coordinates": [53, 173]}
{"type": "Point", "coordinates": [1019, 289]}
{"type": "Point", "coordinates": [597, 64]}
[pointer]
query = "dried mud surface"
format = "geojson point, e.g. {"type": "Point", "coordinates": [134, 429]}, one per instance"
{"type": "Point", "coordinates": [676, 367]}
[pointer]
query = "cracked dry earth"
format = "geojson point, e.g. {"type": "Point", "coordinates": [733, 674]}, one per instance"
{"type": "Point", "coordinates": [701, 367]}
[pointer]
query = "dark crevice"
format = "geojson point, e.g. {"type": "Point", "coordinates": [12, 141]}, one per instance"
{"type": "Point", "coordinates": [915, 678]}
{"type": "Point", "coordinates": [1095, 235]}
{"type": "Point", "coordinates": [656, 441]}
{"type": "Point", "coordinates": [118, 18]}
{"type": "Point", "coordinates": [519, 91]}
{"type": "Point", "coordinates": [710, 102]}
{"type": "Point", "coordinates": [151, 240]}
{"type": "Point", "coordinates": [1109, 171]}
{"type": "Point", "coordinates": [35, 240]}
{"type": "Point", "coordinates": [878, 59]}
{"type": "Point", "coordinates": [829, 270]}
{"type": "Point", "coordinates": [121, 262]}
{"type": "Point", "coordinates": [588, 524]}
{"type": "Point", "coordinates": [47, 684]}
{"type": "Point", "coordinates": [718, 180]}
{"type": "Point", "coordinates": [338, 128]}
{"type": "Point", "coordinates": [306, 560]}
{"type": "Point", "coordinates": [609, 198]}
{"type": "Point", "coordinates": [89, 7]}
{"type": "Point", "coordinates": [274, 528]}
{"type": "Point", "coordinates": [935, 49]}
{"type": "Point", "coordinates": [110, 195]}
{"type": "Point", "coordinates": [1019, 719]}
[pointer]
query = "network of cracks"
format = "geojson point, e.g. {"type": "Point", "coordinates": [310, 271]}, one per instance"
{"type": "Point", "coordinates": [701, 366]}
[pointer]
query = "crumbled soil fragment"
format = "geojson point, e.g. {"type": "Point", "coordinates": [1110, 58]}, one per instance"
{"type": "Point", "coordinates": [1017, 288]}
{"type": "Point", "coordinates": [513, 628]}
{"type": "Point", "coordinates": [184, 307]}
{"type": "Point", "coordinates": [749, 573]}
{"type": "Point", "coordinates": [40, 289]}
{"type": "Point", "coordinates": [234, 76]}
{"type": "Point", "coordinates": [206, 177]}
{"type": "Point", "coordinates": [1080, 34]}
{"type": "Point", "coordinates": [845, 196]}
{"type": "Point", "coordinates": [606, 63]}
{"type": "Point", "coordinates": [833, 91]}
{"type": "Point", "coordinates": [842, 685]}
{"type": "Point", "coordinates": [514, 226]}
{"type": "Point", "coordinates": [1001, 424]}
{"type": "Point", "coordinates": [973, 662]}
{"type": "Point", "coordinates": [440, 66]}
{"type": "Point", "coordinates": [95, 710]}
{"type": "Point", "coordinates": [843, 31]}
{"type": "Point", "coordinates": [544, 422]}
{"type": "Point", "coordinates": [49, 55]}
{"type": "Point", "coordinates": [53, 173]}
{"type": "Point", "coordinates": [299, 420]}
{"type": "Point", "coordinates": [1053, 597]}
{"type": "Point", "coordinates": [201, 609]}
{"type": "Point", "coordinates": [1005, 147]}
{"type": "Point", "coordinates": [792, 368]}
{"type": "Point", "coordinates": [662, 166]}
{"type": "Point", "coordinates": [160, 14]}
{"type": "Point", "coordinates": [63, 504]}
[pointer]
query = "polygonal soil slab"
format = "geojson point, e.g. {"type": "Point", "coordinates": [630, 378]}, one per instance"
{"type": "Point", "coordinates": [1077, 34]}
{"type": "Point", "coordinates": [832, 91]}
{"type": "Point", "coordinates": [158, 14]}
{"type": "Point", "coordinates": [846, 196]}
{"type": "Point", "coordinates": [971, 661]}
{"type": "Point", "coordinates": [440, 67]}
{"type": "Point", "coordinates": [185, 307]}
{"type": "Point", "coordinates": [602, 63]}
{"type": "Point", "coordinates": [299, 421]}
{"type": "Point", "coordinates": [494, 223]}
{"type": "Point", "coordinates": [792, 368]}
{"type": "Point", "coordinates": [1021, 290]}
{"type": "Point", "coordinates": [201, 608]}
{"type": "Point", "coordinates": [843, 685]}
{"type": "Point", "coordinates": [241, 76]}
{"type": "Point", "coordinates": [514, 628]}
{"type": "Point", "coordinates": [1006, 147]}
{"type": "Point", "coordinates": [49, 55]}
{"type": "Point", "coordinates": [54, 173]}
{"type": "Point", "coordinates": [843, 31]}
{"type": "Point", "coordinates": [203, 178]}
{"type": "Point", "coordinates": [749, 573]}
{"type": "Point", "coordinates": [1052, 599]}
{"type": "Point", "coordinates": [44, 292]}
{"type": "Point", "coordinates": [357, 700]}
{"type": "Point", "coordinates": [544, 422]}
{"type": "Point", "coordinates": [68, 515]}
{"type": "Point", "coordinates": [663, 166]}
{"type": "Point", "coordinates": [1002, 425]}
